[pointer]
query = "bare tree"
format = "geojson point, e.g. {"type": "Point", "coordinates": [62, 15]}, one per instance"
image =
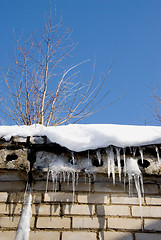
{"type": "Point", "coordinates": [36, 69]}
{"type": "Point", "coordinates": [156, 109]}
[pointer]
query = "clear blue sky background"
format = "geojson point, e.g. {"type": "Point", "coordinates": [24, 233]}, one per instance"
{"type": "Point", "coordinates": [127, 32]}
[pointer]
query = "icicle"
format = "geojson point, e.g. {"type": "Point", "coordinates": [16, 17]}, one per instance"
{"type": "Point", "coordinates": [47, 181]}
{"type": "Point", "coordinates": [73, 185]}
{"type": "Point", "coordinates": [24, 223]}
{"type": "Point", "coordinates": [77, 177]}
{"type": "Point", "coordinates": [85, 177]}
{"type": "Point", "coordinates": [134, 172]}
{"type": "Point", "coordinates": [60, 177]}
{"type": "Point", "coordinates": [68, 177]}
{"type": "Point", "coordinates": [64, 176]}
{"type": "Point", "coordinates": [54, 180]}
{"type": "Point", "coordinates": [158, 157]}
{"type": "Point", "coordinates": [112, 164]}
{"type": "Point", "coordinates": [98, 156]}
{"type": "Point", "coordinates": [73, 158]}
{"type": "Point", "coordinates": [89, 181]}
{"type": "Point", "coordinates": [124, 156]}
{"type": "Point", "coordinates": [88, 159]}
{"type": "Point", "coordinates": [134, 151]}
{"type": "Point", "coordinates": [141, 154]}
{"type": "Point", "coordinates": [108, 162]}
{"type": "Point", "coordinates": [118, 162]}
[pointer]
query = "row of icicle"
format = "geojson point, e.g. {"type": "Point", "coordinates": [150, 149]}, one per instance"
{"type": "Point", "coordinates": [130, 168]}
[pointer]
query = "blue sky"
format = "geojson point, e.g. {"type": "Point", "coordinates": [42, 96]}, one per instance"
{"type": "Point", "coordinates": [126, 32]}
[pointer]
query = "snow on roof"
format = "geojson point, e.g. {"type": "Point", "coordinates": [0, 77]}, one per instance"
{"type": "Point", "coordinates": [80, 137]}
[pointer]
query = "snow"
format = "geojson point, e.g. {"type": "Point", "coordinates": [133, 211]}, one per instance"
{"type": "Point", "coordinates": [80, 137]}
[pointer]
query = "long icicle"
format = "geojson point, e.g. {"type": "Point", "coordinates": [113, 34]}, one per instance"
{"type": "Point", "coordinates": [118, 162]}
{"type": "Point", "coordinates": [23, 228]}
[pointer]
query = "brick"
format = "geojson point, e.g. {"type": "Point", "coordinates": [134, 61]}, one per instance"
{"type": "Point", "coordinates": [3, 196]}
{"type": "Point", "coordinates": [147, 236]}
{"type": "Point", "coordinates": [124, 223]}
{"type": "Point", "coordinates": [37, 197]}
{"type": "Point", "coordinates": [153, 200]}
{"type": "Point", "coordinates": [93, 198]}
{"type": "Point", "coordinates": [151, 188]}
{"type": "Point", "coordinates": [79, 236]}
{"type": "Point", "coordinates": [44, 209]}
{"type": "Point", "coordinates": [41, 186]}
{"type": "Point", "coordinates": [9, 222]}
{"type": "Point", "coordinates": [13, 186]}
{"type": "Point", "coordinates": [16, 197]}
{"type": "Point", "coordinates": [58, 197]}
{"type": "Point", "coordinates": [152, 224]}
{"type": "Point", "coordinates": [40, 235]}
{"type": "Point", "coordinates": [80, 187]}
{"type": "Point", "coordinates": [113, 210]}
{"type": "Point", "coordinates": [53, 222]}
{"type": "Point", "coordinates": [10, 209]}
{"type": "Point", "coordinates": [146, 211]}
{"type": "Point", "coordinates": [115, 199]}
{"type": "Point", "coordinates": [115, 236]}
{"type": "Point", "coordinates": [108, 187]}
{"type": "Point", "coordinates": [7, 235]}
{"type": "Point", "coordinates": [78, 209]}
{"type": "Point", "coordinates": [88, 222]}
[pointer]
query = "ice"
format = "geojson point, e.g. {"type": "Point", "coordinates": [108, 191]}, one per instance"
{"type": "Point", "coordinates": [23, 228]}
{"type": "Point", "coordinates": [141, 154]}
{"type": "Point", "coordinates": [135, 174]}
{"type": "Point", "coordinates": [98, 156]}
{"type": "Point", "coordinates": [73, 158]}
{"type": "Point", "coordinates": [124, 156]}
{"type": "Point", "coordinates": [111, 163]}
{"type": "Point", "coordinates": [118, 162]}
{"type": "Point", "coordinates": [158, 157]}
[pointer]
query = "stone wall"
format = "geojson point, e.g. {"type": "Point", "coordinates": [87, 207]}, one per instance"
{"type": "Point", "coordinates": [106, 212]}
{"type": "Point", "coordinates": [96, 211]}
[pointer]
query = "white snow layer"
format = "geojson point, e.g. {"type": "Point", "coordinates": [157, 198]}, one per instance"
{"type": "Point", "coordinates": [80, 137]}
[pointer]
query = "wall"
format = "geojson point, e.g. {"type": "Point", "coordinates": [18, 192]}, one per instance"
{"type": "Point", "coordinates": [106, 212]}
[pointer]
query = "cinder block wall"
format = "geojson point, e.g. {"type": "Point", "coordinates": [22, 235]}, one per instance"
{"type": "Point", "coordinates": [106, 212]}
